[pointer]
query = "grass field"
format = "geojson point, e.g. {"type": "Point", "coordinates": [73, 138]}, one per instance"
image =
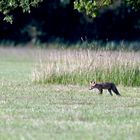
{"type": "Point", "coordinates": [32, 111]}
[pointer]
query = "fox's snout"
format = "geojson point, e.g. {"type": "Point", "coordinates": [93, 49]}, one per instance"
{"type": "Point", "coordinates": [91, 87]}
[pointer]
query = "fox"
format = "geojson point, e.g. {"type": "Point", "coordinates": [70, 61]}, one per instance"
{"type": "Point", "coordinates": [107, 85]}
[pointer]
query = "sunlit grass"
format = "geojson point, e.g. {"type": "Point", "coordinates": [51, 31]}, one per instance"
{"type": "Point", "coordinates": [61, 112]}
{"type": "Point", "coordinates": [68, 112]}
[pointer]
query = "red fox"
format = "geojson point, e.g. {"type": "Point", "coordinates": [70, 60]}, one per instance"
{"type": "Point", "coordinates": [106, 85]}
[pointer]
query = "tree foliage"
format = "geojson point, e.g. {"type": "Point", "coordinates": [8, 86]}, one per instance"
{"type": "Point", "coordinates": [57, 20]}
{"type": "Point", "coordinates": [7, 6]}
{"type": "Point", "coordinates": [93, 7]}
{"type": "Point", "coordinates": [89, 7]}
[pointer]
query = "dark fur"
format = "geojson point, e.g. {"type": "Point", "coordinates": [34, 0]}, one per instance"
{"type": "Point", "coordinates": [109, 86]}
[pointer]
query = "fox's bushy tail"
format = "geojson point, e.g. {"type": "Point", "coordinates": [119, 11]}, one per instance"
{"type": "Point", "coordinates": [115, 90]}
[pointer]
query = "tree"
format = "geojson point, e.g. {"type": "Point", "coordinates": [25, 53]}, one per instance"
{"type": "Point", "coordinates": [89, 7]}
{"type": "Point", "coordinates": [7, 6]}
{"type": "Point", "coordinates": [92, 7]}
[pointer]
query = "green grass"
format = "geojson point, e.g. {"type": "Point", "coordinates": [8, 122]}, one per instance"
{"type": "Point", "coordinates": [59, 112]}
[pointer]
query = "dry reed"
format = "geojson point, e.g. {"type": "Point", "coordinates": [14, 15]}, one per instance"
{"type": "Point", "coordinates": [81, 66]}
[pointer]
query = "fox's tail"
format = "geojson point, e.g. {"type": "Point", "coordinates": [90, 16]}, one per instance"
{"type": "Point", "coordinates": [116, 91]}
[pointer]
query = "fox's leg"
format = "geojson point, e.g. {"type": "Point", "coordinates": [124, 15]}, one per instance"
{"type": "Point", "coordinates": [110, 92]}
{"type": "Point", "coordinates": [100, 91]}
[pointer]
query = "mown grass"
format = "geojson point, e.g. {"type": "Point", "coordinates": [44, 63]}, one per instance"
{"type": "Point", "coordinates": [51, 111]}
{"type": "Point", "coordinates": [81, 66]}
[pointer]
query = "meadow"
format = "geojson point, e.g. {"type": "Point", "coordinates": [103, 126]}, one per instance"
{"type": "Point", "coordinates": [38, 102]}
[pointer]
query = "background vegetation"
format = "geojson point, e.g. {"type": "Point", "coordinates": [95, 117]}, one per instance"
{"type": "Point", "coordinates": [81, 66]}
{"type": "Point", "coordinates": [49, 20]}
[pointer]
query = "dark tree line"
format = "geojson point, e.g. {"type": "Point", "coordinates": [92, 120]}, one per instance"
{"type": "Point", "coordinates": [57, 20]}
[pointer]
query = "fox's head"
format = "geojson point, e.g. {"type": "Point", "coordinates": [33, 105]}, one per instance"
{"type": "Point", "coordinates": [92, 85]}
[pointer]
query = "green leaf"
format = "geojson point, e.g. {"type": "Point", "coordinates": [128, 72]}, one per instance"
{"type": "Point", "coordinates": [8, 19]}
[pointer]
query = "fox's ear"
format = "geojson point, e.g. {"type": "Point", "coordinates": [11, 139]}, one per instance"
{"type": "Point", "coordinates": [92, 82]}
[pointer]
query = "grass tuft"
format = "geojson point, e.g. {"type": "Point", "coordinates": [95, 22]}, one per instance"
{"type": "Point", "coordinates": [81, 66]}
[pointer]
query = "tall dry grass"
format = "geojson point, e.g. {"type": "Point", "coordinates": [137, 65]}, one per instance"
{"type": "Point", "coordinates": [81, 66]}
